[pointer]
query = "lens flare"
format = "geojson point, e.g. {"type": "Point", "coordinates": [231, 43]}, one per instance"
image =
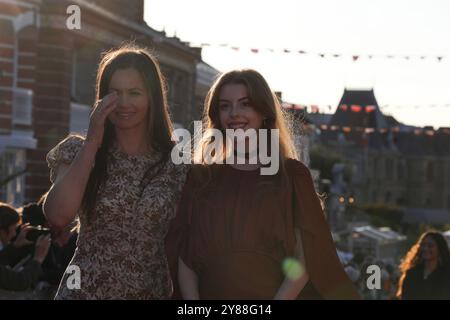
{"type": "Point", "coordinates": [292, 269]}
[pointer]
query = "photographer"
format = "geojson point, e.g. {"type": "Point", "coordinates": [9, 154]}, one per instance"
{"type": "Point", "coordinates": [62, 246]}
{"type": "Point", "coordinates": [10, 253]}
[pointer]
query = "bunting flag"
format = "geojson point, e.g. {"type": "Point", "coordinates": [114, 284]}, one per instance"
{"type": "Point", "coordinates": [354, 57]}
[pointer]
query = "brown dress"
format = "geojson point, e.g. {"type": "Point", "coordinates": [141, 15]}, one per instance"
{"type": "Point", "coordinates": [120, 251]}
{"type": "Point", "coordinates": [235, 228]}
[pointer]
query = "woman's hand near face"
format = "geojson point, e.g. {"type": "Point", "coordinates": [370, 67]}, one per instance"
{"type": "Point", "coordinates": [66, 194]}
{"type": "Point", "coordinates": [99, 114]}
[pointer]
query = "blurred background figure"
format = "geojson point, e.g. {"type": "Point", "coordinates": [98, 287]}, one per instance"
{"type": "Point", "coordinates": [61, 249]}
{"type": "Point", "coordinates": [426, 269]}
{"type": "Point", "coordinates": [19, 271]}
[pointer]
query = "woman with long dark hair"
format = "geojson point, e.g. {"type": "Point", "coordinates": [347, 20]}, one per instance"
{"type": "Point", "coordinates": [120, 182]}
{"type": "Point", "coordinates": [239, 234]}
{"type": "Point", "coordinates": [426, 269]}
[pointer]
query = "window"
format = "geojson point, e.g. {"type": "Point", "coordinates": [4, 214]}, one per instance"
{"type": "Point", "coordinates": [389, 168]}
{"type": "Point", "coordinates": [387, 197]}
{"type": "Point", "coordinates": [374, 196]}
{"type": "Point", "coordinates": [400, 173]}
{"type": "Point", "coordinates": [428, 200]}
{"type": "Point", "coordinates": [375, 168]}
{"type": "Point", "coordinates": [430, 171]}
{"type": "Point", "coordinates": [12, 164]}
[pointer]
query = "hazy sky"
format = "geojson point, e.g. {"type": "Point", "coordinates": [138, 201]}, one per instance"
{"type": "Point", "coordinates": [348, 27]}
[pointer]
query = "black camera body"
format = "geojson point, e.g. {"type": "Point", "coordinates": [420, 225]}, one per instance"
{"type": "Point", "coordinates": [36, 232]}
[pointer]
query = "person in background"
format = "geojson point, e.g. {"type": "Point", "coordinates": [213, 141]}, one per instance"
{"type": "Point", "coordinates": [28, 276]}
{"type": "Point", "coordinates": [62, 246]}
{"type": "Point", "coordinates": [426, 269]}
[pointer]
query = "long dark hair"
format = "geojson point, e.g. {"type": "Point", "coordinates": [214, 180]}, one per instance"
{"type": "Point", "coordinates": [159, 126]}
{"type": "Point", "coordinates": [414, 256]}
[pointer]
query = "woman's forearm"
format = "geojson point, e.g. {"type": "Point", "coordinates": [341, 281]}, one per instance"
{"type": "Point", "coordinates": [188, 281]}
{"type": "Point", "coordinates": [64, 197]}
{"type": "Point", "coordinates": [290, 289]}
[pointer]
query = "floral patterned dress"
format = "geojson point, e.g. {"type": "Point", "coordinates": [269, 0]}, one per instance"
{"type": "Point", "coordinates": [120, 250]}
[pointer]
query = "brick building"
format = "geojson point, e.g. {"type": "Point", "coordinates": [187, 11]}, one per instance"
{"type": "Point", "coordinates": [47, 72]}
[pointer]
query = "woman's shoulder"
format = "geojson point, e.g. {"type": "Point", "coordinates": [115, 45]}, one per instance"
{"type": "Point", "coordinates": [72, 141]}
{"type": "Point", "coordinates": [66, 149]}
{"type": "Point", "coordinates": [63, 153]}
{"type": "Point", "coordinates": [296, 167]}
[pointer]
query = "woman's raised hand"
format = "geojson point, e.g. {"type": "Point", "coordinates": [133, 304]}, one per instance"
{"type": "Point", "coordinates": [100, 112]}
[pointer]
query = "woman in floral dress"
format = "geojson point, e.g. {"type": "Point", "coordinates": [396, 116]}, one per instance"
{"type": "Point", "coordinates": [121, 184]}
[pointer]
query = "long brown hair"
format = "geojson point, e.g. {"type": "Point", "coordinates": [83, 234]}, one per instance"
{"type": "Point", "coordinates": [159, 126]}
{"type": "Point", "coordinates": [262, 99]}
{"type": "Point", "coordinates": [414, 257]}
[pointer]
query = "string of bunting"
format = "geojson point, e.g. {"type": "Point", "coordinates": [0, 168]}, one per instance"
{"type": "Point", "coordinates": [314, 108]}
{"type": "Point", "coordinates": [416, 131]}
{"type": "Point", "coordinates": [355, 57]}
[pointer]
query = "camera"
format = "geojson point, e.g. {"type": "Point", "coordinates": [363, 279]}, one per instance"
{"type": "Point", "coordinates": [36, 232]}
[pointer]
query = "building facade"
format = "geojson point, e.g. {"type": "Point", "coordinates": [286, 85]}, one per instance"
{"type": "Point", "coordinates": [391, 163]}
{"type": "Point", "coordinates": [47, 73]}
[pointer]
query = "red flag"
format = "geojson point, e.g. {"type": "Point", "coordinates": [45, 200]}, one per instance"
{"type": "Point", "coordinates": [355, 108]}
{"type": "Point", "coordinates": [370, 108]}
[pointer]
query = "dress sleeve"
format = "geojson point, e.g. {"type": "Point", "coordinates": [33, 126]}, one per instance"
{"type": "Point", "coordinates": [322, 262]}
{"type": "Point", "coordinates": [63, 153]}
